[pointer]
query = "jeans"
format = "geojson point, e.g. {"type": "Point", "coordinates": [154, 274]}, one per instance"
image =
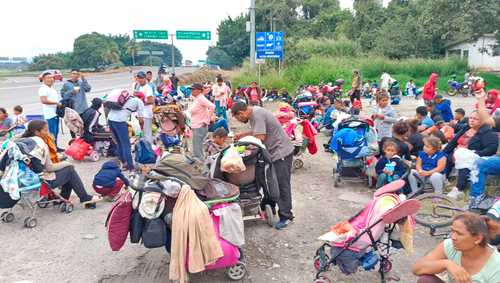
{"type": "Point", "coordinates": [53, 124]}
{"type": "Point", "coordinates": [283, 169]}
{"type": "Point", "coordinates": [68, 180]}
{"type": "Point", "coordinates": [383, 179]}
{"type": "Point", "coordinates": [436, 180]}
{"type": "Point", "coordinates": [220, 111]}
{"type": "Point", "coordinates": [463, 179]}
{"type": "Point", "coordinates": [120, 133]}
{"type": "Point", "coordinates": [218, 124]}
{"type": "Point", "coordinates": [148, 130]}
{"type": "Point", "coordinates": [199, 135]}
{"type": "Point", "coordinates": [489, 165]}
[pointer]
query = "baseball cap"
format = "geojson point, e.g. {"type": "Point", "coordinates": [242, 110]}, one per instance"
{"type": "Point", "coordinates": [196, 86]}
{"type": "Point", "coordinates": [141, 74]}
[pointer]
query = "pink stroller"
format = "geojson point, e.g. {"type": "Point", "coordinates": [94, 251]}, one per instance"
{"type": "Point", "coordinates": [361, 241]}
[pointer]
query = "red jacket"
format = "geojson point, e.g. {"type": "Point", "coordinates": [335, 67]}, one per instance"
{"type": "Point", "coordinates": [309, 133]}
{"type": "Point", "coordinates": [430, 87]}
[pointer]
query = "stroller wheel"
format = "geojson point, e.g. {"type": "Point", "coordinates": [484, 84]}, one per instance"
{"type": "Point", "coordinates": [69, 208]}
{"type": "Point", "coordinates": [336, 180]}
{"type": "Point", "coordinates": [42, 203]}
{"type": "Point", "coordinates": [94, 156]}
{"type": "Point", "coordinates": [30, 222]}
{"type": "Point", "coordinates": [8, 217]}
{"type": "Point", "coordinates": [322, 279]}
{"type": "Point", "coordinates": [385, 265]}
{"type": "Point", "coordinates": [62, 207]}
{"type": "Point", "coordinates": [298, 164]}
{"type": "Point", "coordinates": [237, 272]}
{"type": "Point", "coordinates": [270, 215]}
{"type": "Point", "coordinates": [318, 263]}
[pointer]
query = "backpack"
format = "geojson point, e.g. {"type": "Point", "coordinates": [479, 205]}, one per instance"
{"type": "Point", "coordinates": [118, 221]}
{"type": "Point", "coordinates": [116, 99]}
{"type": "Point", "coordinates": [144, 153]}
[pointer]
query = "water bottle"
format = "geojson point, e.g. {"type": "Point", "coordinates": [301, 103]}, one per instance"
{"type": "Point", "coordinates": [369, 260]}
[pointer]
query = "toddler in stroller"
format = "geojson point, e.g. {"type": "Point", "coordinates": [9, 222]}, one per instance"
{"type": "Point", "coordinates": [361, 240]}
{"type": "Point", "coordinates": [172, 124]}
{"type": "Point", "coordinates": [355, 144]}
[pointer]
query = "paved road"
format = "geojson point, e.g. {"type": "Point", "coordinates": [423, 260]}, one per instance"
{"type": "Point", "coordinates": [24, 90]}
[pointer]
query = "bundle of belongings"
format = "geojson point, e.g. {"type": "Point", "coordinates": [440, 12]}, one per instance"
{"type": "Point", "coordinates": [196, 219]}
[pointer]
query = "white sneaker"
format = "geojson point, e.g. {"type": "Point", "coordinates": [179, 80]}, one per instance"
{"type": "Point", "coordinates": [455, 194]}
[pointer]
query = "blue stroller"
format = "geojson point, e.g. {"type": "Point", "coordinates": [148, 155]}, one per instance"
{"type": "Point", "coordinates": [355, 144]}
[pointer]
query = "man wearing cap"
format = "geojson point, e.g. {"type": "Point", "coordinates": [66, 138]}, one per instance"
{"type": "Point", "coordinates": [201, 115]}
{"type": "Point", "coordinates": [149, 100]}
{"type": "Point", "coordinates": [50, 101]}
{"type": "Point", "coordinates": [266, 127]}
{"type": "Point", "coordinates": [118, 122]}
{"type": "Point", "coordinates": [75, 89]}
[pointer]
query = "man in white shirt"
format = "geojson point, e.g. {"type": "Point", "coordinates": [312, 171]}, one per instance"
{"type": "Point", "coordinates": [50, 101]}
{"type": "Point", "coordinates": [149, 100]}
{"type": "Point", "coordinates": [118, 122]}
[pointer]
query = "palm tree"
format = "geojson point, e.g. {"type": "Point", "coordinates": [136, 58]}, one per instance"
{"type": "Point", "coordinates": [132, 49]}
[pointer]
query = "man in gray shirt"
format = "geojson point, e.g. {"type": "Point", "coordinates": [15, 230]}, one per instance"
{"type": "Point", "coordinates": [75, 89]}
{"type": "Point", "coordinates": [267, 128]}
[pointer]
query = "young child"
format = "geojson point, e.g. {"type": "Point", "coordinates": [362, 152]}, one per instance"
{"type": "Point", "coordinates": [19, 120]}
{"type": "Point", "coordinates": [459, 122]}
{"type": "Point", "coordinates": [216, 143]}
{"type": "Point", "coordinates": [431, 165]}
{"type": "Point", "coordinates": [389, 167]}
{"type": "Point", "coordinates": [444, 106]}
{"type": "Point", "coordinates": [109, 181]}
{"type": "Point", "coordinates": [384, 116]}
{"type": "Point", "coordinates": [411, 89]}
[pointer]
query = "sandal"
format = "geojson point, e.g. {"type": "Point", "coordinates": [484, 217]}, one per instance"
{"type": "Point", "coordinates": [93, 200]}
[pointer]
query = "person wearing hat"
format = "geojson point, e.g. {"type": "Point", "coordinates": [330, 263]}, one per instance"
{"type": "Point", "coordinates": [144, 87]}
{"type": "Point", "coordinates": [201, 115]}
{"type": "Point", "coordinates": [50, 100]}
{"type": "Point", "coordinates": [266, 127]}
{"type": "Point", "coordinates": [118, 122]}
{"type": "Point", "coordinates": [444, 106]}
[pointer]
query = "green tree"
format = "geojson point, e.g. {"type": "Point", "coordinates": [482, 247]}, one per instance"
{"type": "Point", "coordinates": [94, 49]}
{"type": "Point", "coordinates": [233, 38]}
{"type": "Point", "coordinates": [122, 41]}
{"type": "Point", "coordinates": [219, 57]}
{"type": "Point", "coordinates": [47, 61]}
{"type": "Point", "coordinates": [369, 17]}
{"type": "Point", "coordinates": [312, 8]}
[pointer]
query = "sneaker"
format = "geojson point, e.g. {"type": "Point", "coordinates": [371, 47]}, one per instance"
{"type": "Point", "coordinates": [455, 194]}
{"type": "Point", "coordinates": [59, 150]}
{"type": "Point", "coordinates": [282, 224]}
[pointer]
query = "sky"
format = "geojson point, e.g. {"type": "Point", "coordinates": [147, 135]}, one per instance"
{"type": "Point", "coordinates": [31, 27]}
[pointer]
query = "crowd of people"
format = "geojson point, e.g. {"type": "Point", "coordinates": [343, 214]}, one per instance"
{"type": "Point", "coordinates": [438, 142]}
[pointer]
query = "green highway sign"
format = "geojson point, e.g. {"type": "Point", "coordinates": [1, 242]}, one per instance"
{"type": "Point", "coordinates": [193, 35]}
{"type": "Point", "coordinates": [150, 34]}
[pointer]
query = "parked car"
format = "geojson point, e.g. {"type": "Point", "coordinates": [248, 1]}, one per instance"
{"type": "Point", "coordinates": [57, 75]}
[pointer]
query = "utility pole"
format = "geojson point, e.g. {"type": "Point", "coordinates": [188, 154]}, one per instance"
{"type": "Point", "coordinates": [173, 53]}
{"type": "Point", "coordinates": [252, 34]}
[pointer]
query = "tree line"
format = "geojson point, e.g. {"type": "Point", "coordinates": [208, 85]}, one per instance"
{"type": "Point", "coordinates": [94, 50]}
{"type": "Point", "coordinates": [403, 29]}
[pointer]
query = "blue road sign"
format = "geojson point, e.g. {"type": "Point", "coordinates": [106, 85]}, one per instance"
{"type": "Point", "coordinates": [270, 45]}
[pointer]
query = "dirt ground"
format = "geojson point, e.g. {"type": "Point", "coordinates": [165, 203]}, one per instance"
{"type": "Point", "coordinates": [74, 248]}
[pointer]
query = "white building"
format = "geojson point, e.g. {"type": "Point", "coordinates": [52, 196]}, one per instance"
{"type": "Point", "coordinates": [483, 53]}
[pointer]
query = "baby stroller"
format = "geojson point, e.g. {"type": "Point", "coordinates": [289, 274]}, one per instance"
{"type": "Point", "coordinates": [172, 124]}
{"type": "Point", "coordinates": [25, 187]}
{"type": "Point", "coordinates": [367, 238]}
{"type": "Point", "coordinates": [159, 192]}
{"type": "Point", "coordinates": [395, 92]}
{"type": "Point", "coordinates": [257, 184]}
{"type": "Point", "coordinates": [355, 144]}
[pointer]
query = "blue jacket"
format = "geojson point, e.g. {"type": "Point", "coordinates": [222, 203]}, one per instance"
{"type": "Point", "coordinates": [400, 169]}
{"type": "Point", "coordinates": [445, 108]}
{"type": "Point", "coordinates": [106, 177]}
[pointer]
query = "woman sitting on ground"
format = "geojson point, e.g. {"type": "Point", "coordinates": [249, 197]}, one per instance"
{"type": "Point", "coordinates": [62, 174]}
{"type": "Point", "coordinates": [466, 257]}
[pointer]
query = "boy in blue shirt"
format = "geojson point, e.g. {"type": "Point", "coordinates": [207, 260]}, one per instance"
{"type": "Point", "coordinates": [430, 167]}
{"type": "Point", "coordinates": [444, 106]}
{"type": "Point", "coordinates": [109, 181]}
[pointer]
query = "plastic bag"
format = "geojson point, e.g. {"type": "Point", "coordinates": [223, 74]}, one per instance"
{"type": "Point", "coordinates": [232, 162]}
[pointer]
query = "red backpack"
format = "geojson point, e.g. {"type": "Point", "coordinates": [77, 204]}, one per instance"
{"type": "Point", "coordinates": [118, 221]}
{"type": "Point", "coordinates": [116, 99]}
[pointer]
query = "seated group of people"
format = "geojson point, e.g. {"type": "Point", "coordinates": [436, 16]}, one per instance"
{"type": "Point", "coordinates": [432, 139]}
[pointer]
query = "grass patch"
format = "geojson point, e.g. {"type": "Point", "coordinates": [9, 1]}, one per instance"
{"type": "Point", "coordinates": [328, 69]}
